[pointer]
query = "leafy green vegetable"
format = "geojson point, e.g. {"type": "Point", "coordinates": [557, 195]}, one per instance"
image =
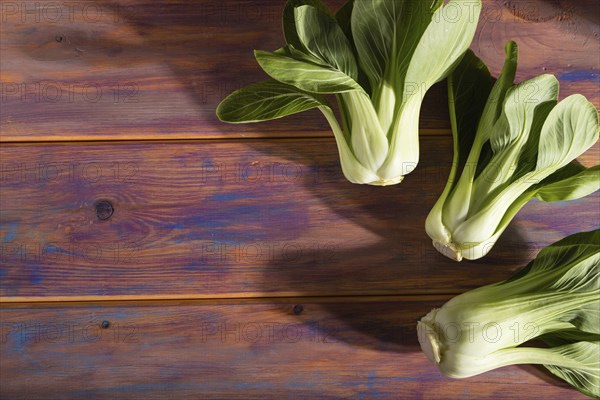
{"type": "Point", "coordinates": [555, 299]}
{"type": "Point", "coordinates": [521, 145]}
{"type": "Point", "coordinates": [269, 99]}
{"type": "Point", "coordinates": [379, 58]}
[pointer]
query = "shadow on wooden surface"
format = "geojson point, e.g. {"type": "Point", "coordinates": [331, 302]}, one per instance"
{"type": "Point", "coordinates": [229, 219]}
{"type": "Point", "coordinates": [235, 350]}
{"type": "Point", "coordinates": [173, 64]}
{"type": "Point", "coordinates": [402, 226]}
{"type": "Point", "coordinates": [152, 70]}
{"type": "Point", "coordinates": [177, 60]}
{"type": "Point", "coordinates": [559, 9]}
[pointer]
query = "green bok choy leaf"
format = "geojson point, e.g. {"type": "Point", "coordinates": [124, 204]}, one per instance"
{"type": "Point", "coordinates": [379, 58]}
{"type": "Point", "coordinates": [519, 145]}
{"type": "Point", "coordinates": [555, 300]}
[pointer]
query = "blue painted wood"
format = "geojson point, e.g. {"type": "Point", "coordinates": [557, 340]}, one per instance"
{"type": "Point", "coordinates": [336, 348]}
{"type": "Point", "coordinates": [252, 218]}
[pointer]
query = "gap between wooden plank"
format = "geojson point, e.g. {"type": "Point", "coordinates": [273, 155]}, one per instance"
{"type": "Point", "coordinates": [286, 297]}
{"type": "Point", "coordinates": [37, 140]}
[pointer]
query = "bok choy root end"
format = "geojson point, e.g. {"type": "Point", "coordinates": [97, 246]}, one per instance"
{"type": "Point", "coordinates": [555, 301]}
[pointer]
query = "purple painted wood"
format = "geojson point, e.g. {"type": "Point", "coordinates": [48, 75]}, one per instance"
{"type": "Point", "coordinates": [252, 218]}
{"type": "Point", "coordinates": [336, 348]}
{"type": "Point", "coordinates": [137, 69]}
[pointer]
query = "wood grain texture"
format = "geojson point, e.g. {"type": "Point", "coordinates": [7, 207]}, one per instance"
{"type": "Point", "coordinates": [187, 350]}
{"type": "Point", "coordinates": [237, 223]}
{"type": "Point", "coordinates": [559, 37]}
{"type": "Point", "coordinates": [230, 218]}
{"type": "Point", "coordinates": [138, 69]}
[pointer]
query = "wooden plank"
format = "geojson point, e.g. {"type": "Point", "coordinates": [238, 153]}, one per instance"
{"type": "Point", "coordinates": [137, 69]}
{"type": "Point", "coordinates": [238, 219]}
{"type": "Point", "coordinates": [348, 348]}
{"type": "Point", "coordinates": [141, 70]}
{"type": "Point", "coordinates": [556, 37]}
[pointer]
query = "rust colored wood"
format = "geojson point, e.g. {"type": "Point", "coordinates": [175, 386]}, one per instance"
{"type": "Point", "coordinates": [349, 348]}
{"type": "Point", "coordinates": [229, 218]}
{"type": "Point", "coordinates": [558, 37]}
{"type": "Point", "coordinates": [236, 223]}
{"type": "Point", "coordinates": [149, 70]}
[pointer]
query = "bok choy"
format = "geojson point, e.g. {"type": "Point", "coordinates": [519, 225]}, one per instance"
{"type": "Point", "coordinates": [512, 143]}
{"type": "Point", "coordinates": [555, 300]}
{"type": "Point", "coordinates": [379, 58]}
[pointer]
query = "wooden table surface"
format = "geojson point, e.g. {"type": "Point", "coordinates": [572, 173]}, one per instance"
{"type": "Point", "coordinates": [238, 262]}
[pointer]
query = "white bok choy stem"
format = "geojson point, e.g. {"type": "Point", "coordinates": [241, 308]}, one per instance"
{"type": "Point", "coordinates": [379, 57]}
{"type": "Point", "coordinates": [555, 300]}
{"type": "Point", "coordinates": [512, 143]}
